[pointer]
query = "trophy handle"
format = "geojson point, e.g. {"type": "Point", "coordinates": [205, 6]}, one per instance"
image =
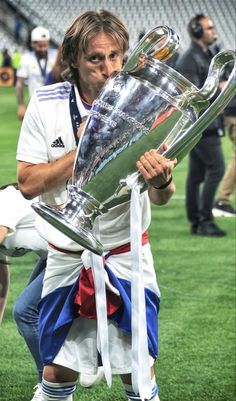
{"type": "Point", "coordinates": [188, 139]}
{"type": "Point", "coordinates": [160, 43]}
{"type": "Point", "coordinates": [211, 84]}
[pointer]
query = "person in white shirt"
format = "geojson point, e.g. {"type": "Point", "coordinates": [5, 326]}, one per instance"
{"type": "Point", "coordinates": [18, 236]}
{"type": "Point", "coordinates": [34, 66]}
{"type": "Point", "coordinates": [93, 48]}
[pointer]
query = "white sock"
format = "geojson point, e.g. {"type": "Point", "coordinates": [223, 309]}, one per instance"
{"type": "Point", "coordinates": [57, 391]}
{"type": "Point", "coordinates": [135, 397]}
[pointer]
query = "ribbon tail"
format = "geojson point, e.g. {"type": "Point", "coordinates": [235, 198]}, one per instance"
{"type": "Point", "coordinates": [141, 373]}
{"type": "Point", "coordinates": [97, 266]}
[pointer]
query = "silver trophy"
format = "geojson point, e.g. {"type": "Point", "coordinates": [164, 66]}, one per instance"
{"type": "Point", "coordinates": [140, 108]}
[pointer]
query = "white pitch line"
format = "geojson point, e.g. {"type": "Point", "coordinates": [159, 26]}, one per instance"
{"type": "Point", "coordinates": [178, 197]}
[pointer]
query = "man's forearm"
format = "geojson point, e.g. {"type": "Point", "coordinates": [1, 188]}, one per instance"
{"type": "Point", "coordinates": [4, 284]}
{"type": "Point", "coordinates": [20, 94]}
{"type": "Point", "coordinates": [36, 179]}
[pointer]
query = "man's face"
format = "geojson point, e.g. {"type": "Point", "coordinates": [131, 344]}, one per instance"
{"type": "Point", "coordinates": [102, 58]}
{"type": "Point", "coordinates": [40, 47]}
{"type": "Point", "coordinates": [209, 32]}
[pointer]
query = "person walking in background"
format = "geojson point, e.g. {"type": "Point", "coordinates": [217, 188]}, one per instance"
{"type": "Point", "coordinates": [93, 48]}
{"type": "Point", "coordinates": [34, 65]}
{"type": "Point", "coordinates": [223, 206]}
{"type": "Point", "coordinates": [206, 160]}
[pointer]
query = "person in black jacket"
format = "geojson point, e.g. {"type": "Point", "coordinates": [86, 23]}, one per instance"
{"type": "Point", "coordinates": [206, 160]}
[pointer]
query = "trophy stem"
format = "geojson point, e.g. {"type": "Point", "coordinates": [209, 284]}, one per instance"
{"type": "Point", "coordinates": [75, 220]}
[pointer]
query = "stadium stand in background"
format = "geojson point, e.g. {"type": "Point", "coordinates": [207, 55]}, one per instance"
{"type": "Point", "coordinates": [138, 15]}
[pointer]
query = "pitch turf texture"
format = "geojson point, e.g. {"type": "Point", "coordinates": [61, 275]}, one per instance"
{"type": "Point", "coordinates": [196, 276]}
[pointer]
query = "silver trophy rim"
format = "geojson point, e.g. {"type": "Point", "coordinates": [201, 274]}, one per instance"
{"type": "Point", "coordinates": [56, 218]}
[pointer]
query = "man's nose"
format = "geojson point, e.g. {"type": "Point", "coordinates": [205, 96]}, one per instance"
{"type": "Point", "coordinates": [107, 68]}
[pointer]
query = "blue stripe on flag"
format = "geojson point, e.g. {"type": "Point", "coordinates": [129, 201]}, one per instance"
{"type": "Point", "coordinates": [58, 310]}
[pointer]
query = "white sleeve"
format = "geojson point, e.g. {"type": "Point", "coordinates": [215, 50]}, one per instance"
{"type": "Point", "coordinates": [32, 146]}
{"type": "Point", "coordinates": [22, 71]}
{"type": "Point", "coordinates": [14, 207]}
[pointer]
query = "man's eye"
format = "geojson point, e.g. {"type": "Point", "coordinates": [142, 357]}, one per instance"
{"type": "Point", "coordinates": [114, 56]}
{"type": "Point", "coordinates": [94, 59]}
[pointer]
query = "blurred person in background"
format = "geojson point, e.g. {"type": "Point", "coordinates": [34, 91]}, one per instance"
{"type": "Point", "coordinates": [54, 75]}
{"type": "Point", "coordinates": [18, 236]}
{"type": "Point", "coordinates": [223, 205]}
{"type": "Point", "coordinates": [206, 160]}
{"type": "Point", "coordinates": [93, 48]}
{"type": "Point", "coordinates": [18, 28]}
{"type": "Point", "coordinates": [34, 65]}
{"type": "Point", "coordinates": [16, 57]}
{"type": "Point", "coordinates": [6, 58]}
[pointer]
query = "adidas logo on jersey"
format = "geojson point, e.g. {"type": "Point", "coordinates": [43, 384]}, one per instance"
{"type": "Point", "coordinates": [58, 143]}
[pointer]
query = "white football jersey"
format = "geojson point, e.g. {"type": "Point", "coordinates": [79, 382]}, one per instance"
{"type": "Point", "coordinates": [47, 135]}
{"type": "Point", "coordinates": [30, 70]}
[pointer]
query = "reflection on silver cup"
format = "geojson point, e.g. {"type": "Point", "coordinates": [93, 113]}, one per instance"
{"type": "Point", "coordinates": [140, 108]}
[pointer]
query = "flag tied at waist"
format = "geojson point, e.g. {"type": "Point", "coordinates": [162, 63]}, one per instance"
{"type": "Point", "coordinates": [85, 297]}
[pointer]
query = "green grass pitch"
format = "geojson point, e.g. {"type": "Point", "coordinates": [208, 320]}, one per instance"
{"type": "Point", "coordinates": [196, 276]}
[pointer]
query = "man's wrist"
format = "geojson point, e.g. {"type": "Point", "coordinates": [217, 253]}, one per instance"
{"type": "Point", "coordinates": [167, 183]}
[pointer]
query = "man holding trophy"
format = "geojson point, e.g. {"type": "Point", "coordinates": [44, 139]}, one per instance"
{"type": "Point", "coordinates": [93, 49]}
{"type": "Point", "coordinates": [100, 297]}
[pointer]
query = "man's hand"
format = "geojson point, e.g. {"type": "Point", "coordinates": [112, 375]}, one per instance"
{"type": "Point", "coordinates": [157, 171]}
{"type": "Point", "coordinates": [20, 97]}
{"type": "Point", "coordinates": [3, 233]}
{"type": "Point", "coordinates": [21, 111]}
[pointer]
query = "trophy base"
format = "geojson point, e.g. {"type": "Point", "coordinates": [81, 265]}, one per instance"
{"type": "Point", "coordinates": [78, 234]}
